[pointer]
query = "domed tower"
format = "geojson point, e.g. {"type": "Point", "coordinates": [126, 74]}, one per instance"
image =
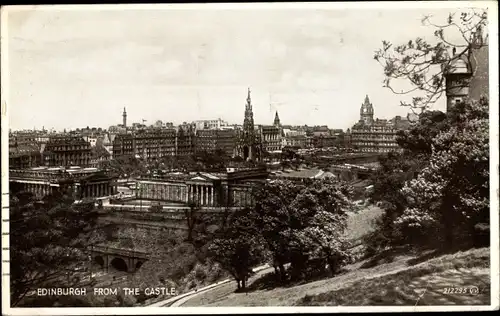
{"type": "Point", "coordinates": [366, 111]}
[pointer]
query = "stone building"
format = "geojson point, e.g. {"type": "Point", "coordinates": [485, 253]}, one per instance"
{"type": "Point", "coordinates": [185, 140]}
{"type": "Point", "coordinates": [123, 145]}
{"type": "Point", "coordinates": [66, 150]}
{"type": "Point", "coordinates": [270, 137]}
{"type": "Point", "coordinates": [210, 140]}
{"type": "Point", "coordinates": [211, 124]}
{"type": "Point", "coordinates": [153, 144]}
{"type": "Point", "coordinates": [206, 140]}
{"type": "Point", "coordinates": [467, 74]}
{"type": "Point", "coordinates": [22, 156]}
{"type": "Point", "coordinates": [232, 188]}
{"type": "Point", "coordinates": [80, 183]}
{"type": "Point", "coordinates": [376, 135]}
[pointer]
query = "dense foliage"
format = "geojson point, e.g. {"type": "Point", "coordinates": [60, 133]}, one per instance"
{"type": "Point", "coordinates": [292, 223]}
{"type": "Point", "coordinates": [238, 247]}
{"type": "Point", "coordinates": [48, 240]}
{"type": "Point", "coordinates": [437, 192]}
{"type": "Point", "coordinates": [451, 195]}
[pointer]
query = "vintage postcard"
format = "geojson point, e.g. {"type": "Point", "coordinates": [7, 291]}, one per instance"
{"type": "Point", "coordinates": [249, 158]}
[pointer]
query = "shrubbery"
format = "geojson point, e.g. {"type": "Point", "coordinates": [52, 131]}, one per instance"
{"type": "Point", "coordinates": [443, 199]}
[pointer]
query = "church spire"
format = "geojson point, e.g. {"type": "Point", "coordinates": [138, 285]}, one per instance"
{"type": "Point", "coordinates": [276, 119]}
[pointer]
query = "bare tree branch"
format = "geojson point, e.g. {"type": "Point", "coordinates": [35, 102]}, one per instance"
{"type": "Point", "coordinates": [423, 65]}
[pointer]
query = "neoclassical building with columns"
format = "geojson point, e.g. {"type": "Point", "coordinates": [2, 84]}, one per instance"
{"type": "Point", "coordinates": [228, 189]}
{"type": "Point", "coordinates": [81, 183]}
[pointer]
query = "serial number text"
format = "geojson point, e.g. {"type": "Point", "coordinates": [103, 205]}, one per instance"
{"type": "Point", "coordinates": [472, 290]}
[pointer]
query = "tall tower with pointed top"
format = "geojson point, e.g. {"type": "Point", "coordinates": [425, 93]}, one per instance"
{"type": "Point", "coordinates": [277, 120]}
{"type": "Point", "coordinates": [366, 111]}
{"type": "Point", "coordinates": [248, 126]}
{"type": "Point", "coordinates": [248, 148]}
{"type": "Point", "coordinates": [124, 117]}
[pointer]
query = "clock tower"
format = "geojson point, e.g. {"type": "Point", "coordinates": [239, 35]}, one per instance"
{"type": "Point", "coordinates": [366, 112]}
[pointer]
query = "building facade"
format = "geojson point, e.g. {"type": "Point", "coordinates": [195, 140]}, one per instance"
{"type": "Point", "coordinates": [123, 145]}
{"type": "Point", "coordinates": [211, 124]}
{"type": "Point", "coordinates": [24, 156]}
{"type": "Point", "coordinates": [80, 183]}
{"type": "Point", "coordinates": [376, 135]}
{"type": "Point", "coordinates": [154, 143]}
{"type": "Point", "coordinates": [229, 189]}
{"type": "Point", "coordinates": [185, 140]}
{"type": "Point", "coordinates": [67, 150]}
{"type": "Point", "coordinates": [211, 140]}
{"type": "Point", "coordinates": [270, 137]}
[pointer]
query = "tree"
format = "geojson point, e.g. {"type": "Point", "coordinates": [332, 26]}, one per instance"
{"type": "Point", "coordinates": [125, 166]}
{"type": "Point", "coordinates": [237, 247]}
{"type": "Point", "coordinates": [451, 195]}
{"type": "Point", "coordinates": [200, 224]}
{"type": "Point", "coordinates": [48, 238]}
{"type": "Point", "coordinates": [395, 169]}
{"type": "Point", "coordinates": [302, 224]}
{"type": "Point", "coordinates": [273, 215]}
{"type": "Point", "coordinates": [192, 218]}
{"type": "Point", "coordinates": [418, 140]}
{"type": "Point", "coordinates": [318, 225]}
{"type": "Point", "coordinates": [423, 64]}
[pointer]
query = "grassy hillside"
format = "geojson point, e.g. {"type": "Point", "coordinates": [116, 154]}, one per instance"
{"type": "Point", "coordinates": [424, 283]}
{"type": "Point", "coordinates": [362, 222]}
{"type": "Point", "coordinates": [394, 278]}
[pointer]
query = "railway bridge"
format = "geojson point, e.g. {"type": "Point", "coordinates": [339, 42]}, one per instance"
{"type": "Point", "coordinates": [121, 259]}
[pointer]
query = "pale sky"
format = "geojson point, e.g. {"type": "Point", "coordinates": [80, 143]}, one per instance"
{"type": "Point", "coordinates": [78, 68]}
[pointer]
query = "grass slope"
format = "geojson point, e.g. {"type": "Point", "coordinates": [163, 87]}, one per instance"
{"type": "Point", "coordinates": [420, 284]}
{"type": "Point", "coordinates": [394, 278]}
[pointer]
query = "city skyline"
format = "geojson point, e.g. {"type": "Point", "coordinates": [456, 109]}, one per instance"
{"type": "Point", "coordinates": [314, 66]}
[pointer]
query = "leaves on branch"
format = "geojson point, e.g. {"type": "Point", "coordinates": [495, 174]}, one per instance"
{"type": "Point", "coordinates": [423, 64]}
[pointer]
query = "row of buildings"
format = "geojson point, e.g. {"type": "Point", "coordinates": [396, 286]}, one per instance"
{"type": "Point", "coordinates": [79, 147]}
{"type": "Point", "coordinates": [466, 76]}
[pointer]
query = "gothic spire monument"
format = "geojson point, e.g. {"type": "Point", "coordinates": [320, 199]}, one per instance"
{"type": "Point", "coordinates": [248, 126]}
{"type": "Point", "coordinates": [366, 111]}
{"type": "Point", "coordinates": [249, 149]}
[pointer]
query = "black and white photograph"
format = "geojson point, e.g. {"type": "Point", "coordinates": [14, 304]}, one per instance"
{"type": "Point", "coordinates": [249, 157]}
